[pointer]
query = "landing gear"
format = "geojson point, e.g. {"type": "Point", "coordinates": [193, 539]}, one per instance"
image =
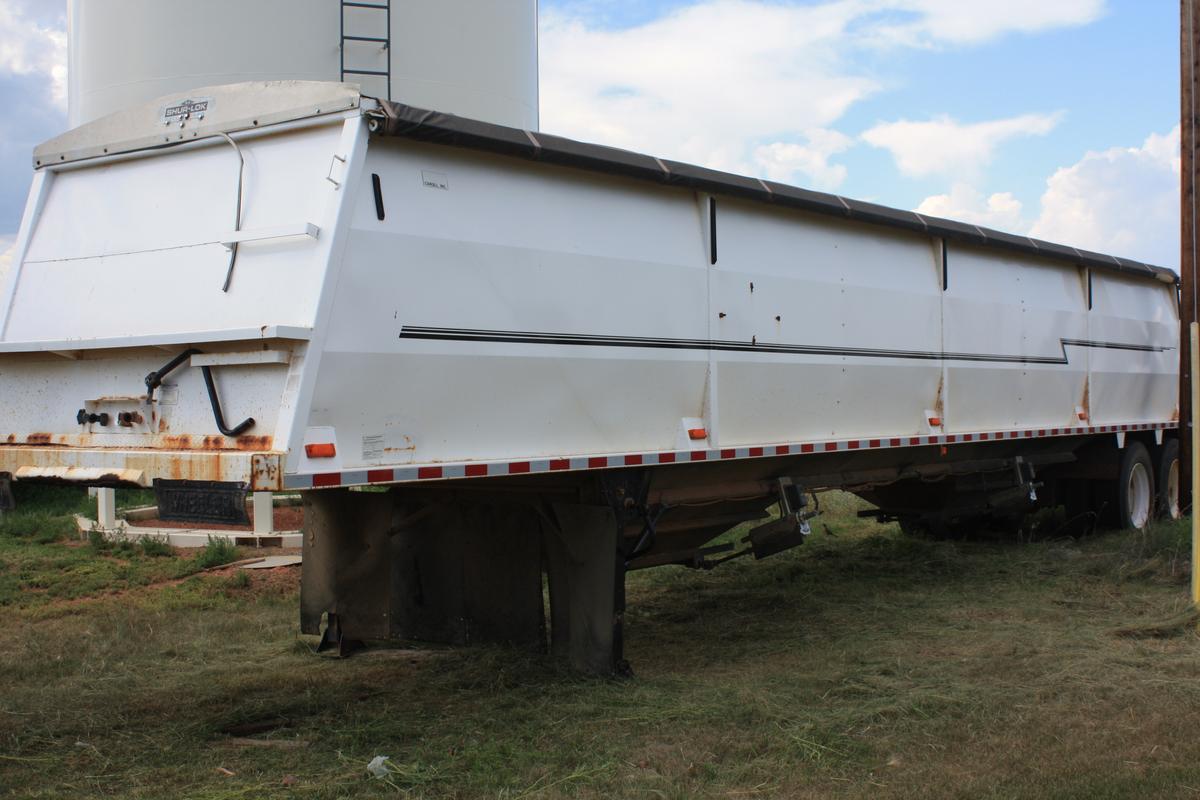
{"type": "Point", "coordinates": [448, 569]}
{"type": "Point", "coordinates": [586, 573]}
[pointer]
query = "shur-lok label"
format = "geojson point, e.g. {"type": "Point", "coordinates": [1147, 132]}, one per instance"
{"type": "Point", "coordinates": [187, 108]}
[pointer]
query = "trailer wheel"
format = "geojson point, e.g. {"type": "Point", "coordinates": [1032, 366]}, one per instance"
{"type": "Point", "coordinates": [1168, 480]}
{"type": "Point", "coordinates": [1135, 498]}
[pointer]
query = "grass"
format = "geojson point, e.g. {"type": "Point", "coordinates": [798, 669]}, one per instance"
{"type": "Point", "coordinates": [216, 553]}
{"type": "Point", "coordinates": [43, 564]}
{"type": "Point", "coordinates": [864, 664]}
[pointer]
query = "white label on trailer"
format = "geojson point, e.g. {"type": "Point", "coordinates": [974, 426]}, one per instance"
{"type": "Point", "coordinates": [435, 180]}
{"type": "Point", "coordinates": [185, 109]}
{"type": "Point", "coordinates": [372, 447]}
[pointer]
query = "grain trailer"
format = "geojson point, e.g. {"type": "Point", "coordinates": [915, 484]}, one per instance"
{"type": "Point", "coordinates": [484, 354]}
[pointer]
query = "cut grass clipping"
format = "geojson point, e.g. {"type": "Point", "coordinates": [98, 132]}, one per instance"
{"type": "Point", "coordinates": [865, 664]}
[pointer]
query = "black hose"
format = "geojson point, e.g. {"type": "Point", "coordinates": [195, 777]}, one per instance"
{"type": "Point", "coordinates": [155, 379]}
{"type": "Point", "coordinates": [649, 535]}
{"type": "Point", "coordinates": [238, 429]}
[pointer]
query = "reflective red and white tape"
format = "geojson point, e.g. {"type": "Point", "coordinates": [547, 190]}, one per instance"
{"type": "Point", "coordinates": [481, 469]}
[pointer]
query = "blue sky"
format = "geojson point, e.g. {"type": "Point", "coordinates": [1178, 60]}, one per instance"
{"type": "Point", "coordinates": [1051, 117]}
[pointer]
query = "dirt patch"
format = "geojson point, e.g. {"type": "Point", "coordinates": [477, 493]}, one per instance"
{"type": "Point", "coordinates": [287, 518]}
{"type": "Point", "coordinates": [280, 581]}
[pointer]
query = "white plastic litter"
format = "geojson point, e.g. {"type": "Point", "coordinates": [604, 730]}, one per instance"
{"type": "Point", "coordinates": [378, 767]}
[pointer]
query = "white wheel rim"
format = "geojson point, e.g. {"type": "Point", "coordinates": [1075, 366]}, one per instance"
{"type": "Point", "coordinates": [1138, 494]}
{"type": "Point", "coordinates": [1173, 490]}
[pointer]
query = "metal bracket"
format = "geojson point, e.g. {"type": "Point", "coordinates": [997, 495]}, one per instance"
{"type": "Point", "coordinates": [792, 504]}
{"type": "Point", "coordinates": [329, 175]}
{"type": "Point", "coordinates": [1026, 477]}
{"type": "Point", "coordinates": [232, 238]}
{"type": "Point", "coordinates": [791, 529]}
{"type": "Point", "coordinates": [242, 358]}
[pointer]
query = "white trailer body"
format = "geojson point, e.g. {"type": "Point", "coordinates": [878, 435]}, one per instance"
{"type": "Point", "coordinates": [414, 298]}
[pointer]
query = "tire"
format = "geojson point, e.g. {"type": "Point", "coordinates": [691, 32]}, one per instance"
{"type": "Point", "coordinates": [1135, 499]}
{"type": "Point", "coordinates": [1167, 480]}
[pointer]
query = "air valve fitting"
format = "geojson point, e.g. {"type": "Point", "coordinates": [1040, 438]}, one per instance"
{"type": "Point", "coordinates": [84, 418]}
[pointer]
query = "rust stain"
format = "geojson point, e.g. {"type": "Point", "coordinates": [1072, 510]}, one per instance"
{"type": "Point", "coordinates": [254, 443]}
{"type": "Point", "coordinates": [176, 442]}
{"type": "Point", "coordinates": [214, 443]}
{"type": "Point", "coordinates": [12, 438]}
{"type": "Point", "coordinates": [264, 472]}
{"type": "Point", "coordinates": [39, 438]}
{"type": "Point", "coordinates": [409, 446]}
{"type": "Point", "coordinates": [162, 424]}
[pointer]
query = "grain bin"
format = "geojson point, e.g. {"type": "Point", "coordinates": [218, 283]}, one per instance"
{"type": "Point", "coordinates": [477, 58]}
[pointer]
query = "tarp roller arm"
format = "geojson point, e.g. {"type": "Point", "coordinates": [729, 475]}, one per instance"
{"type": "Point", "coordinates": [155, 379]}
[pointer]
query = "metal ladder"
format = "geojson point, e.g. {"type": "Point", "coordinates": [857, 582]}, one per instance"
{"type": "Point", "coordinates": [386, 41]}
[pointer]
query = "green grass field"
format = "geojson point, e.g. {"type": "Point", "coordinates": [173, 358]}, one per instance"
{"type": "Point", "coordinates": [865, 664]}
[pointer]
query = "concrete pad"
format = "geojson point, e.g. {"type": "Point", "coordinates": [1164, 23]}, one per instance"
{"type": "Point", "coordinates": [190, 537]}
{"type": "Point", "coordinates": [271, 562]}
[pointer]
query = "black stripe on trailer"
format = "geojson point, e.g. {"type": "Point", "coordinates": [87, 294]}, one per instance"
{"type": "Point", "coordinates": [436, 127]}
{"type": "Point", "coordinates": [592, 340]}
{"type": "Point", "coordinates": [377, 187]}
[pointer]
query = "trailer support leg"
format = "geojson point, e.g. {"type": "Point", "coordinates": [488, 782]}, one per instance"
{"type": "Point", "coordinates": [469, 574]}
{"type": "Point", "coordinates": [449, 573]}
{"type": "Point", "coordinates": [346, 566]}
{"type": "Point", "coordinates": [587, 588]}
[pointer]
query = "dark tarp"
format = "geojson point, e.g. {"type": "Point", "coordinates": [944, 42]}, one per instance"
{"type": "Point", "coordinates": [433, 126]}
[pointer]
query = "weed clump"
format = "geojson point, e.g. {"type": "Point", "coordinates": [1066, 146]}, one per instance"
{"type": "Point", "coordinates": [216, 553]}
{"type": "Point", "coordinates": [37, 526]}
{"type": "Point", "coordinates": [97, 541]}
{"type": "Point", "coordinates": [155, 547]}
{"type": "Point", "coordinates": [114, 544]}
{"type": "Point", "coordinates": [240, 579]}
{"type": "Point", "coordinates": [1161, 551]}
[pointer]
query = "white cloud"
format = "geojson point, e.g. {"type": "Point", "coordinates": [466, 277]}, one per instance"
{"type": "Point", "coordinates": [708, 83]}
{"type": "Point", "coordinates": [1123, 201]}
{"type": "Point", "coordinates": [975, 21]}
{"type": "Point", "coordinates": [1001, 210]}
{"type": "Point", "coordinates": [29, 48]}
{"type": "Point", "coordinates": [756, 86]}
{"type": "Point", "coordinates": [944, 146]}
{"type": "Point", "coordinates": [782, 161]}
